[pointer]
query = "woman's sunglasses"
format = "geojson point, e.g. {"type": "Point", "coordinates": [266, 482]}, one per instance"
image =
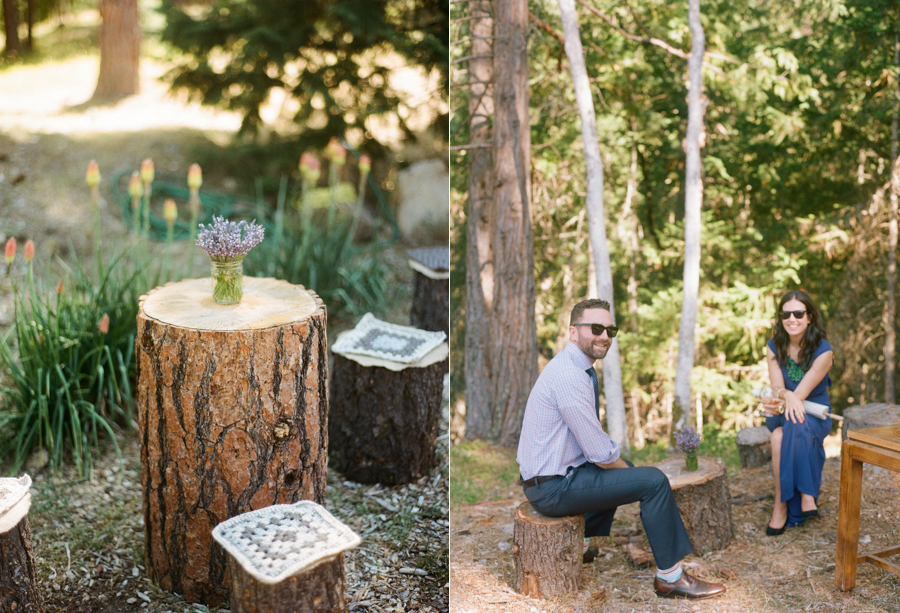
{"type": "Point", "coordinates": [597, 329]}
{"type": "Point", "coordinates": [796, 314]}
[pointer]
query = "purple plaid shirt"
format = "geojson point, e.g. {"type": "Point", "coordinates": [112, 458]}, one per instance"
{"type": "Point", "coordinates": [561, 428]}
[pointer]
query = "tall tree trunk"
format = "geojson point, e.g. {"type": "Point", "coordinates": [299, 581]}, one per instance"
{"type": "Point", "coordinates": [29, 16]}
{"type": "Point", "coordinates": [693, 200]}
{"type": "Point", "coordinates": [891, 302]}
{"type": "Point", "coordinates": [11, 28]}
{"type": "Point", "coordinates": [501, 356]}
{"type": "Point", "coordinates": [616, 424]}
{"type": "Point", "coordinates": [120, 48]}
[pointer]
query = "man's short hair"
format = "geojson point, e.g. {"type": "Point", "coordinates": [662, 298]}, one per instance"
{"type": "Point", "coordinates": [581, 307]}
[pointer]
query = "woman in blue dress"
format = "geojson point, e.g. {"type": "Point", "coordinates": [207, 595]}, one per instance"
{"type": "Point", "coordinates": [799, 357]}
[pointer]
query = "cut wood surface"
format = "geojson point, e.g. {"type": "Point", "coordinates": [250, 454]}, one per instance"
{"type": "Point", "coordinates": [703, 500]}
{"type": "Point", "coordinates": [232, 419]}
{"type": "Point", "coordinates": [18, 573]}
{"type": "Point", "coordinates": [869, 416]}
{"type": "Point", "coordinates": [321, 589]}
{"type": "Point", "coordinates": [547, 552]}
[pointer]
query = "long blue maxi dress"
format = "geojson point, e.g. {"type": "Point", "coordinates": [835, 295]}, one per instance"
{"type": "Point", "coordinates": [802, 445]}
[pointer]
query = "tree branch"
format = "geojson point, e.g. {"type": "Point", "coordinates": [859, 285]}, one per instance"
{"type": "Point", "coordinates": [546, 28]}
{"type": "Point", "coordinates": [641, 39]}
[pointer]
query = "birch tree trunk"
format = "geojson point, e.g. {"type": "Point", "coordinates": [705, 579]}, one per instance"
{"type": "Point", "coordinates": [616, 425]}
{"type": "Point", "coordinates": [507, 336]}
{"type": "Point", "coordinates": [693, 200]}
{"type": "Point", "coordinates": [891, 302]}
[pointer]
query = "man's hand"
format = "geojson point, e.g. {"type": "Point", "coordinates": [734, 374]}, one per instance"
{"type": "Point", "coordinates": [620, 463]}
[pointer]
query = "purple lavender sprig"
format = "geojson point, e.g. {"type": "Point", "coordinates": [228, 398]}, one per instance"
{"type": "Point", "coordinates": [227, 241]}
{"type": "Point", "coordinates": [687, 439]}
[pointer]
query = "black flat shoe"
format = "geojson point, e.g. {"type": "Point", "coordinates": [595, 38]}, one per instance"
{"type": "Point", "coordinates": [809, 514]}
{"type": "Point", "coordinates": [770, 531]}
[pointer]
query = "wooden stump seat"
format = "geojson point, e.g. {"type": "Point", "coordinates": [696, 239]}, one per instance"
{"type": "Point", "coordinates": [18, 573]}
{"type": "Point", "coordinates": [233, 417]}
{"type": "Point", "coordinates": [869, 416]}
{"type": "Point", "coordinates": [431, 289]}
{"type": "Point", "coordinates": [547, 552]}
{"type": "Point", "coordinates": [704, 501]}
{"type": "Point", "coordinates": [754, 446]}
{"type": "Point", "coordinates": [879, 446]}
{"type": "Point", "coordinates": [287, 559]}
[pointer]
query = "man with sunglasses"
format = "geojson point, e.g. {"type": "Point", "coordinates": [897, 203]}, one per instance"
{"type": "Point", "coordinates": [570, 466]}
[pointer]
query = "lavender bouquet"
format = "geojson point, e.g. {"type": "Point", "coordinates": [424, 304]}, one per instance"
{"type": "Point", "coordinates": [226, 243]}
{"type": "Point", "coordinates": [688, 440]}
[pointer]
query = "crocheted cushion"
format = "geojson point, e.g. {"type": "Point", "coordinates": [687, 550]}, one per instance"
{"type": "Point", "coordinates": [379, 339]}
{"type": "Point", "coordinates": [15, 500]}
{"type": "Point", "coordinates": [435, 258]}
{"type": "Point", "coordinates": [277, 542]}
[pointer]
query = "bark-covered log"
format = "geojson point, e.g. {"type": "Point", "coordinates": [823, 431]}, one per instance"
{"type": "Point", "coordinates": [18, 574]}
{"type": "Point", "coordinates": [430, 304]}
{"type": "Point", "coordinates": [547, 552]}
{"type": "Point", "coordinates": [321, 589]}
{"type": "Point", "coordinates": [754, 446]}
{"type": "Point", "coordinates": [233, 417]}
{"type": "Point", "coordinates": [383, 423]}
{"type": "Point", "coordinates": [703, 500]}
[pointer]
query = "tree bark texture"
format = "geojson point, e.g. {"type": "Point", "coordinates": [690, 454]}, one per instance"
{"type": "Point", "coordinates": [479, 220]}
{"type": "Point", "coordinates": [120, 49]}
{"type": "Point", "coordinates": [230, 421]}
{"type": "Point", "coordinates": [430, 304]}
{"type": "Point", "coordinates": [616, 422]}
{"type": "Point", "coordinates": [704, 501]}
{"type": "Point", "coordinates": [547, 552]}
{"type": "Point", "coordinates": [383, 424]}
{"type": "Point", "coordinates": [693, 201]}
{"type": "Point", "coordinates": [11, 28]}
{"type": "Point", "coordinates": [18, 573]}
{"type": "Point", "coordinates": [754, 447]}
{"type": "Point", "coordinates": [890, 306]}
{"type": "Point", "coordinates": [321, 589]}
{"type": "Point", "coordinates": [509, 339]}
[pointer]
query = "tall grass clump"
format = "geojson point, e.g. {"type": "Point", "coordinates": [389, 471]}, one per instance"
{"type": "Point", "coordinates": [312, 242]}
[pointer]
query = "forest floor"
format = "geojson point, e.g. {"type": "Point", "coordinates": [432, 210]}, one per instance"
{"type": "Point", "coordinates": [88, 533]}
{"type": "Point", "coordinates": [788, 573]}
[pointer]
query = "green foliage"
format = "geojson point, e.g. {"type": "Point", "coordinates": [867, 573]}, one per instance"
{"type": "Point", "coordinates": [69, 382]}
{"type": "Point", "coordinates": [481, 472]}
{"type": "Point", "coordinates": [326, 55]}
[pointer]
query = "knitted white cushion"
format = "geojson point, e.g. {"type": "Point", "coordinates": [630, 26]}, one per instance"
{"type": "Point", "coordinates": [379, 339]}
{"type": "Point", "coordinates": [15, 500]}
{"type": "Point", "coordinates": [277, 542]}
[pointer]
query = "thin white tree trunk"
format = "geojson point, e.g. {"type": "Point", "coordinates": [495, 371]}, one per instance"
{"type": "Point", "coordinates": [693, 201]}
{"type": "Point", "coordinates": [891, 302]}
{"type": "Point", "coordinates": [616, 425]}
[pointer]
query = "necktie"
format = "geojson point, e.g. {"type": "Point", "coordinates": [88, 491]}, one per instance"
{"type": "Point", "coordinates": [593, 375]}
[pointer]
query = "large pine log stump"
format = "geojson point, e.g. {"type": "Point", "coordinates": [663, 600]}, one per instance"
{"type": "Point", "coordinates": [547, 552]}
{"type": "Point", "coordinates": [233, 417]}
{"type": "Point", "coordinates": [287, 559]}
{"type": "Point", "coordinates": [431, 289]}
{"type": "Point", "coordinates": [385, 416]}
{"type": "Point", "coordinates": [18, 573]}
{"type": "Point", "coordinates": [754, 446]}
{"type": "Point", "coordinates": [703, 500]}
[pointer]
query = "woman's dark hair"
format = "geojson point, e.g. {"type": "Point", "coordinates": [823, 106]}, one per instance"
{"type": "Point", "coordinates": [814, 334]}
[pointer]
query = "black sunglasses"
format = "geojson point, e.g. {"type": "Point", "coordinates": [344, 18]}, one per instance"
{"type": "Point", "coordinates": [597, 329]}
{"type": "Point", "coordinates": [796, 314]}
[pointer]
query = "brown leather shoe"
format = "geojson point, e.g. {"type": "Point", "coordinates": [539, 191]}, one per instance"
{"type": "Point", "coordinates": [687, 587]}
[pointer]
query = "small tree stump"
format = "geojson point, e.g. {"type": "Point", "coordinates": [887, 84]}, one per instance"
{"type": "Point", "coordinates": [431, 289]}
{"type": "Point", "coordinates": [703, 500]}
{"type": "Point", "coordinates": [547, 552]}
{"type": "Point", "coordinates": [384, 413]}
{"type": "Point", "coordinates": [869, 416]}
{"type": "Point", "coordinates": [754, 446]}
{"type": "Point", "coordinates": [233, 416]}
{"type": "Point", "coordinates": [18, 573]}
{"type": "Point", "coordinates": [287, 559]}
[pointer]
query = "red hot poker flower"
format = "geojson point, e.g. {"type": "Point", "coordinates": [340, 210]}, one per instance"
{"type": "Point", "coordinates": [10, 250]}
{"type": "Point", "coordinates": [29, 250]}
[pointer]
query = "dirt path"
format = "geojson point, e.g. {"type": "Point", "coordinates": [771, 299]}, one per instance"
{"type": "Point", "coordinates": [793, 572]}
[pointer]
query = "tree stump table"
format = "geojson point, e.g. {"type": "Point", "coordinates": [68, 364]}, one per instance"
{"type": "Point", "coordinates": [704, 501]}
{"type": "Point", "coordinates": [431, 289]}
{"type": "Point", "coordinates": [754, 446]}
{"type": "Point", "coordinates": [386, 392]}
{"type": "Point", "coordinates": [18, 573]}
{"type": "Point", "coordinates": [547, 552]}
{"type": "Point", "coordinates": [233, 417]}
{"type": "Point", "coordinates": [287, 559]}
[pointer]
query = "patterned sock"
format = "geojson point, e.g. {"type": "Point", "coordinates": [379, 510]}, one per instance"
{"type": "Point", "coordinates": [587, 543]}
{"type": "Point", "coordinates": [671, 575]}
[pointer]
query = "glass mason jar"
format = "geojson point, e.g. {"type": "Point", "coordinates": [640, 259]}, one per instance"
{"type": "Point", "coordinates": [690, 460]}
{"type": "Point", "coordinates": [228, 281]}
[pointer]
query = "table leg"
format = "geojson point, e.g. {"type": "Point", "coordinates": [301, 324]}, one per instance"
{"type": "Point", "coordinates": [848, 519]}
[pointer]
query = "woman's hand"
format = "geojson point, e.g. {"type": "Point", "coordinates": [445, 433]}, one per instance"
{"type": "Point", "coordinates": [793, 407]}
{"type": "Point", "coordinates": [771, 406]}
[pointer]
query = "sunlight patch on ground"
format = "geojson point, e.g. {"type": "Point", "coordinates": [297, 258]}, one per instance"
{"type": "Point", "coordinates": [832, 444]}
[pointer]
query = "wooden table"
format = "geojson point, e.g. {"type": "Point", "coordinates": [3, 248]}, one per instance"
{"type": "Point", "coordinates": [879, 446]}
